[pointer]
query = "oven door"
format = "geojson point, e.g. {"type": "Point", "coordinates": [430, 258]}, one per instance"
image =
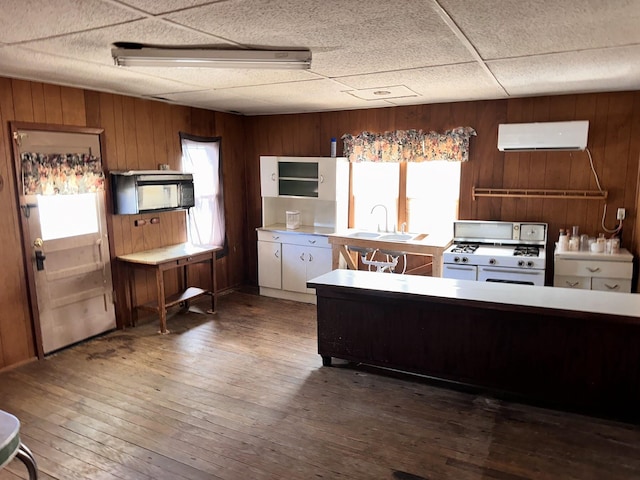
{"type": "Point", "coordinates": [511, 275]}
{"type": "Point", "coordinates": [460, 272]}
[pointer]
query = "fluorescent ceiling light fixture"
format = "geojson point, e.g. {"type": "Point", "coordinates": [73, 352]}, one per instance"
{"type": "Point", "coordinates": [209, 58]}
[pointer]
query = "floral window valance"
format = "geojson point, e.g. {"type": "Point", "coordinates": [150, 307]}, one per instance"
{"type": "Point", "coordinates": [409, 146]}
{"type": "Point", "coordinates": [61, 174]}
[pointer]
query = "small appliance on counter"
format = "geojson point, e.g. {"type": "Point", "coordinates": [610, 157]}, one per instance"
{"type": "Point", "coordinates": [493, 251]}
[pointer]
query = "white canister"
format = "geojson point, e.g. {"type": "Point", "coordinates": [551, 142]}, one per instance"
{"type": "Point", "coordinates": [293, 219]}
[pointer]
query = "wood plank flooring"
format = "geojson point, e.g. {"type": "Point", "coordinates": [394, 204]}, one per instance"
{"type": "Point", "coordinates": [242, 395]}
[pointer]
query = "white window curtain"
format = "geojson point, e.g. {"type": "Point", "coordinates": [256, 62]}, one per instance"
{"type": "Point", "coordinates": [206, 222]}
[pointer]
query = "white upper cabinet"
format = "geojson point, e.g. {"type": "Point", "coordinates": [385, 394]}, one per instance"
{"type": "Point", "coordinates": [300, 177]}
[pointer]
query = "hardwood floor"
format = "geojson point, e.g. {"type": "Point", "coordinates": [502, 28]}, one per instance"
{"type": "Point", "coordinates": [243, 395]}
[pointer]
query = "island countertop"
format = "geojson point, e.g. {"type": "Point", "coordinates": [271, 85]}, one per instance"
{"type": "Point", "coordinates": [447, 289]}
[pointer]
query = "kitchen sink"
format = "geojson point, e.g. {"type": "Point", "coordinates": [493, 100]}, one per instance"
{"type": "Point", "coordinates": [396, 237]}
{"type": "Point", "coordinates": [369, 235]}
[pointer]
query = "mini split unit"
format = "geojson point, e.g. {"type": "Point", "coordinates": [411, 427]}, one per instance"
{"type": "Point", "coordinates": [547, 136]}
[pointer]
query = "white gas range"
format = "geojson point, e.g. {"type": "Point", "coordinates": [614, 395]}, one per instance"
{"type": "Point", "coordinates": [505, 252]}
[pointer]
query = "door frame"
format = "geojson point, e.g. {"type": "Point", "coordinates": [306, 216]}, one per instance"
{"type": "Point", "coordinates": [24, 225]}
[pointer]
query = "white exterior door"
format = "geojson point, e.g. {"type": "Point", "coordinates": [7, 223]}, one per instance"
{"type": "Point", "coordinates": [71, 267]}
{"type": "Point", "coordinates": [68, 249]}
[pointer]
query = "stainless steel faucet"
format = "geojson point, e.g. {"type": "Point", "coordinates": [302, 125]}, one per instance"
{"type": "Point", "coordinates": [386, 216]}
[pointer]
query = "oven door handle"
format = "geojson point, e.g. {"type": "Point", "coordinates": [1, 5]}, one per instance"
{"type": "Point", "coordinates": [460, 267]}
{"type": "Point", "coordinates": [504, 270]}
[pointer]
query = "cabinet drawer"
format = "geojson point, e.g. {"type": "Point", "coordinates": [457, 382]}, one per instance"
{"type": "Point", "coordinates": [307, 240]}
{"type": "Point", "coordinates": [611, 284]}
{"type": "Point", "coordinates": [568, 281]}
{"type": "Point", "coordinates": [294, 238]}
{"type": "Point", "coordinates": [194, 259]}
{"type": "Point", "coordinates": [593, 268]}
{"type": "Point", "coordinates": [269, 236]}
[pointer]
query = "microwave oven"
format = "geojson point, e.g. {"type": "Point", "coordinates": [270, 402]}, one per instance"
{"type": "Point", "coordinates": [145, 191]}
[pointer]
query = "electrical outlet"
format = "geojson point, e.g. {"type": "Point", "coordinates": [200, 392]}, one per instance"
{"type": "Point", "coordinates": [621, 214]}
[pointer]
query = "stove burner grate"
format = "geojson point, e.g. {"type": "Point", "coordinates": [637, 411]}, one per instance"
{"type": "Point", "coordinates": [462, 248]}
{"type": "Point", "coordinates": [526, 251]}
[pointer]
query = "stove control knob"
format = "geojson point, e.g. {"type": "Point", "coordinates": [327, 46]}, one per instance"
{"type": "Point", "coordinates": [456, 259]}
{"type": "Point", "coordinates": [521, 263]}
{"type": "Point", "coordinates": [492, 261]}
{"type": "Point", "coordinates": [465, 259]}
{"type": "Point", "coordinates": [529, 263]}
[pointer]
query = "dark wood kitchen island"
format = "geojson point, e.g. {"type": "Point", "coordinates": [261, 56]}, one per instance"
{"type": "Point", "coordinates": [568, 348]}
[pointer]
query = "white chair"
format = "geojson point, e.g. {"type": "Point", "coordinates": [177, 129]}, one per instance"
{"type": "Point", "coordinates": [11, 446]}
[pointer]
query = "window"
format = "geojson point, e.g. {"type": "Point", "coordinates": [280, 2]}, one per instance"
{"type": "Point", "coordinates": [201, 157]}
{"type": "Point", "coordinates": [422, 195]}
{"type": "Point", "coordinates": [375, 183]}
{"type": "Point", "coordinates": [414, 175]}
{"type": "Point", "coordinates": [433, 192]}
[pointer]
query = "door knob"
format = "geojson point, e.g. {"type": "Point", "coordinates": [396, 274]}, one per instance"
{"type": "Point", "coordinates": [38, 243]}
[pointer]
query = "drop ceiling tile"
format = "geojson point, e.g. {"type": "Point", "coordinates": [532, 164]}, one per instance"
{"type": "Point", "coordinates": [162, 6]}
{"type": "Point", "coordinates": [95, 45]}
{"type": "Point", "coordinates": [345, 37]}
{"type": "Point", "coordinates": [434, 84]}
{"type": "Point", "coordinates": [311, 96]}
{"type": "Point", "coordinates": [31, 19]}
{"type": "Point", "coordinates": [50, 69]}
{"type": "Point", "coordinates": [588, 71]}
{"type": "Point", "coordinates": [499, 28]}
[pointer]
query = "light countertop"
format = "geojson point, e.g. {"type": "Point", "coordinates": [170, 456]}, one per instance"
{"type": "Point", "coordinates": [612, 303]}
{"type": "Point", "coordinates": [303, 229]}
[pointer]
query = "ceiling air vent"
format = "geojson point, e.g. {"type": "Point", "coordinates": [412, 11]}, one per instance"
{"type": "Point", "coordinates": [543, 136]}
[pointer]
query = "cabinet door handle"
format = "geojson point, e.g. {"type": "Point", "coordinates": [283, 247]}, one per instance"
{"type": "Point", "coordinates": [612, 287]}
{"type": "Point", "coordinates": [321, 178]}
{"type": "Point", "coordinates": [593, 270]}
{"type": "Point", "coordinates": [273, 177]}
{"type": "Point", "coordinates": [312, 242]}
{"type": "Point", "coordinates": [572, 284]}
{"type": "Point", "coordinates": [302, 257]}
{"type": "Point", "coordinates": [310, 258]}
{"type": "Point", "coordinates": [275, 237]}
{"type": "Point", "coordinates": [277, 254]}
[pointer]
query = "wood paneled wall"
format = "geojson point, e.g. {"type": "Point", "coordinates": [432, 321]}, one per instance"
{"type": "Point", "coordinates": [614, 141]}
{"type": "Point", "coordinates": [138, 134]}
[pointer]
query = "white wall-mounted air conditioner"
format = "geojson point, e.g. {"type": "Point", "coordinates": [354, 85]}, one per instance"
{"type": "Point", "coordinates": [545, 136]}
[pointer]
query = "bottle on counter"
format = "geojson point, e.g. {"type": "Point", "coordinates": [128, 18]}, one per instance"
{"type": "Point", "coordinates": [333, 146]}
{"type": "Point", "coordinates": [563, 241]}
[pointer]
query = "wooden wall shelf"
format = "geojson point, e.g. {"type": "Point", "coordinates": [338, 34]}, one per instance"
{"type": "Point", "coordinates": [540, 193]}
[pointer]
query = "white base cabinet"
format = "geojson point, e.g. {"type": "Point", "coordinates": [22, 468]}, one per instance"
{"type": "Point", "coordinates": [287, 260]}
{"type": "Point", "coordinates": [594, 271]}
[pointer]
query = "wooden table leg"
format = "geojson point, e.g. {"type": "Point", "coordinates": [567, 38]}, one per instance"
{"type": "Point", "coordinates": [133, 312]}
{"type": "Point", "coordinates": [436, 265]}
{"type": "Point", "coordinates": [162, 308]}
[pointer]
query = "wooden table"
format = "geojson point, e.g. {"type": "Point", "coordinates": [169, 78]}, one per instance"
{"type": "Point", "coordinates": [429, 245]}
{"type": "Point", "coordinates": [159, 260]}
{"type": "Point", "coordinates": [11, 446]}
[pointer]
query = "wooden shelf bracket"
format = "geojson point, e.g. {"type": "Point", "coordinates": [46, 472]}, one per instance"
{"type": "Point", "coordinates": [540, 193]}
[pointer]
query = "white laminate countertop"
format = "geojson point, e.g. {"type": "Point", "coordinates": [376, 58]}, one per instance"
{"type": "Point", "coordinates": [623, 256]}
{"type": "Point", "coordinates": [611, 303]}
{"type": "Point", "coordinates": [303, 229]}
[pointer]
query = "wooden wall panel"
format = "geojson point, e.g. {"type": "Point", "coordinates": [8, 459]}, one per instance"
{"type": "Point", "coordinates": [16, 329]}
